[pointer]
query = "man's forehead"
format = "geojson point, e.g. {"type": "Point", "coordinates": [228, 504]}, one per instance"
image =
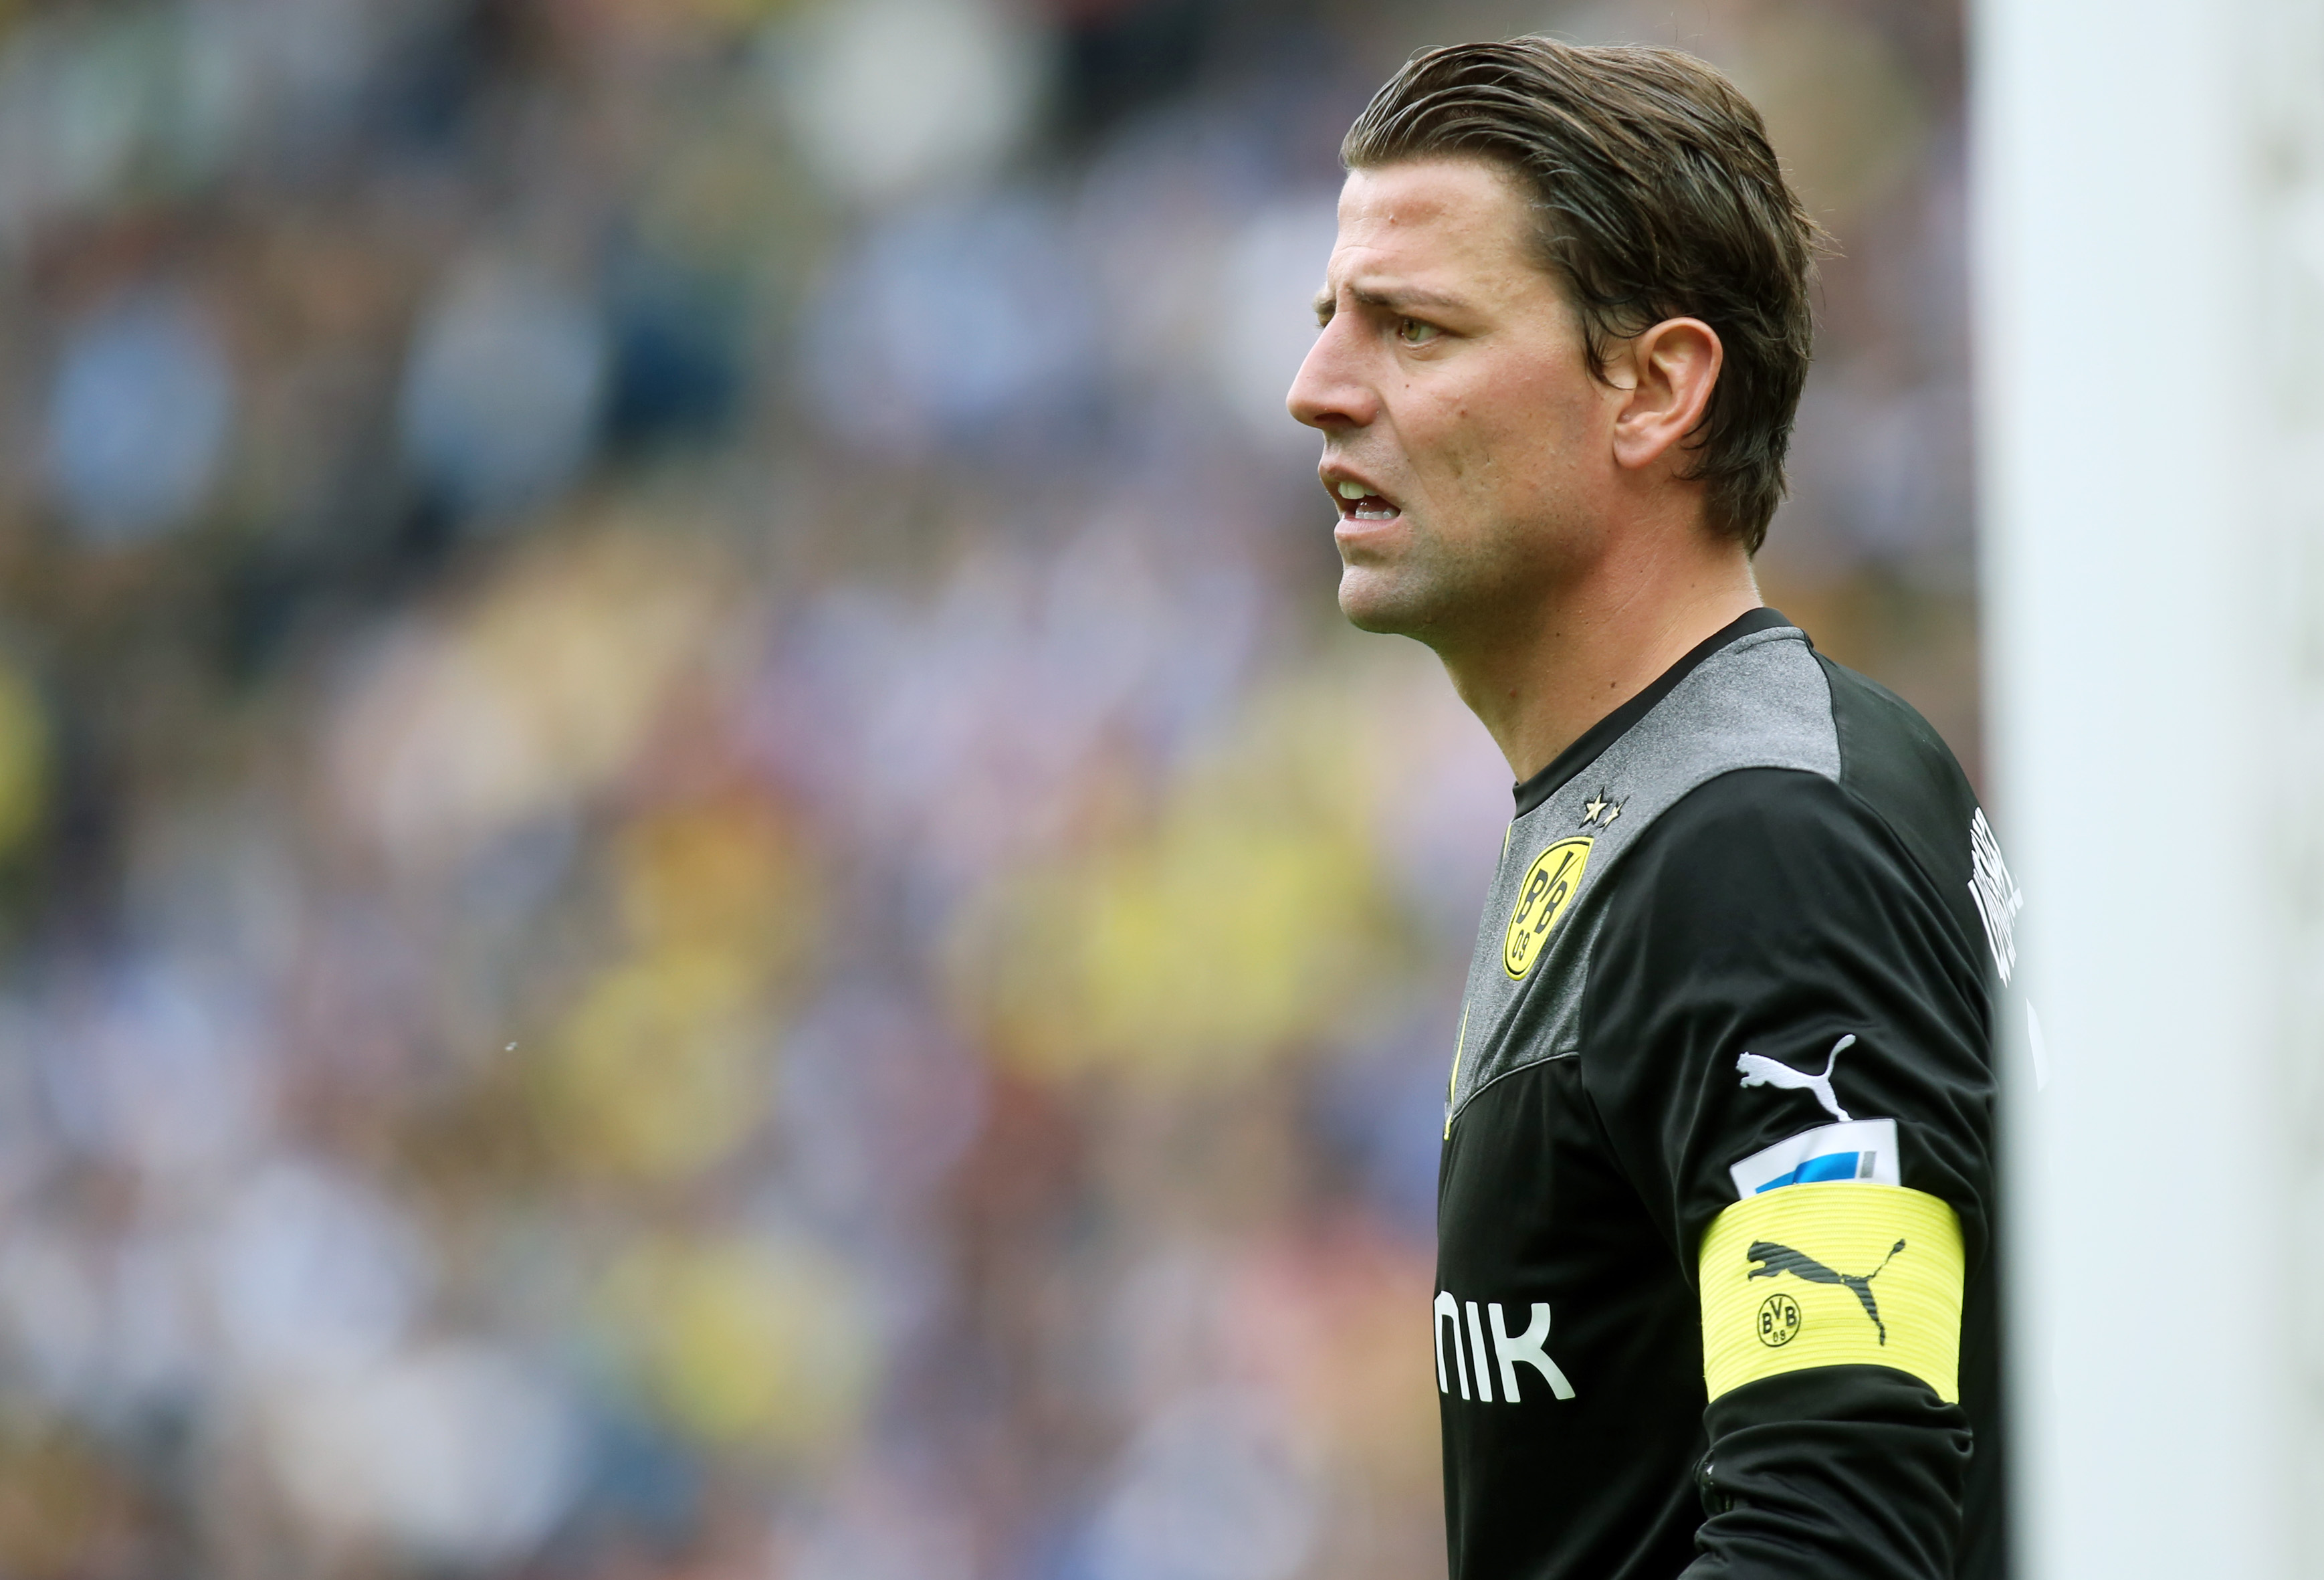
{"type": "Point", "coordinates": [1421, 222]}
{"type": "Point", "coordinates": [1430, 193]}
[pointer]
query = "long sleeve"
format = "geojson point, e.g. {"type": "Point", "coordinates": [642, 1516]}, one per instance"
{"type": "Point", "coordinates": [1785, 1041]}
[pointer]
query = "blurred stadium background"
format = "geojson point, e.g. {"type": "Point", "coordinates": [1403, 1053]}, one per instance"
{"type": "Point", "coordinates": [694, 880]}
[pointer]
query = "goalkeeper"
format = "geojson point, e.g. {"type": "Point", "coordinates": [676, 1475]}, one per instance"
{"type": "Point", "coordinates": [1716, 1269]}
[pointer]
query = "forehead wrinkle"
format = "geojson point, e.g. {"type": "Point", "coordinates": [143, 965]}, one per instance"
{"type": "Point", "coordinates": [1390, 298]}
{"type": "Point", "coordinates": [1393, 297]}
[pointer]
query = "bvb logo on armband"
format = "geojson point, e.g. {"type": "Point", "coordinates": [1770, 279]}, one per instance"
{"type": "Point", "coordinates": [1779, 1320]}
{"type": "Point", "coordinates": [1547, 891]}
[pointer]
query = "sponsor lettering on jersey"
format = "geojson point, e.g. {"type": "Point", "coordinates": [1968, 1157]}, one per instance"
{"type": "Point", "coordinates": [1548, 889]}
{"type": "Point", "coordinates": [1997, 896]}
{"type": "Point", "coordinates": [1833, 1274]}
{"type": "Point", "coordinates": [1508, 1352]}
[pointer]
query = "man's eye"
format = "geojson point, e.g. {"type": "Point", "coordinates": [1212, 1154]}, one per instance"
{"type": "Point", "coordinates": [1413, 332]}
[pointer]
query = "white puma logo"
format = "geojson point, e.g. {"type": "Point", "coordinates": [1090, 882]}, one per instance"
{"type": "Point", "coordinates": [1758, 1071]}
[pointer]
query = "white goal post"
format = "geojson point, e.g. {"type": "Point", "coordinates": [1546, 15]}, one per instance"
{"type": "Point", "coordinates": [2149, 276]}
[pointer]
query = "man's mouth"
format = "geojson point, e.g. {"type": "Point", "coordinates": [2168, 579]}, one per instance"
{"type": "Point", "coordinates": [1359, 503]}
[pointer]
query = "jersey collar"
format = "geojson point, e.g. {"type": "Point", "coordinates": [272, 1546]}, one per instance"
{"type": "Point", "coordinates": [1593, 741]}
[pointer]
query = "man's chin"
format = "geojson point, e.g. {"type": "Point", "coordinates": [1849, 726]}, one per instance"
{"type": "Point", "coordinates": [1379, 603]}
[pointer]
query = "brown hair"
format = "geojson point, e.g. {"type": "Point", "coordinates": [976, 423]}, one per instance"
{"type": "Point", "coordinates": [1659, 198]}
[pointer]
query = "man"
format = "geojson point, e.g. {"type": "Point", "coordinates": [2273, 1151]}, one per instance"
{"type": "Point", "coordinates": [1716, 1207]}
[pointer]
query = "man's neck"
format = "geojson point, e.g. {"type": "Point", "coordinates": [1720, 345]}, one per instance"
{"type": "Point", "coordinates": [1593, 645]}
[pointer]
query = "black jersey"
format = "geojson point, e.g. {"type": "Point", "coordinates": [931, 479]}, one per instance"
{"type": "Point", "coordinates": [1716, 1290]}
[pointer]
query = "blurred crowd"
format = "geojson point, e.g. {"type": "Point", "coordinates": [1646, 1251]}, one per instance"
{"type": "Point", "coordinates": [694, 881]}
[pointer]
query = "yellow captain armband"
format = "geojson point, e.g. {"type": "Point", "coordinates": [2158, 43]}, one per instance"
{"type": "Point", "coordinates": [1839, 1274]}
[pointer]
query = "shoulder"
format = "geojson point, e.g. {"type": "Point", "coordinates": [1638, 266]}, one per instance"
{"type": "Point", "coordinates": [1761, 843]}
{"type": "Point", "coordinates": [1777, 873]}
{"type": "Point", "coordinates": [1772, 783]}
{"type": "Point", "coordinates": [1893, 762]}
{"type": "Point", "coordinates": [1782, 754]}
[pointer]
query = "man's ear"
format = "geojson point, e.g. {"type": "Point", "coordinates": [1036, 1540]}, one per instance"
{"type": "Point", "coordinates": [1666, 375]}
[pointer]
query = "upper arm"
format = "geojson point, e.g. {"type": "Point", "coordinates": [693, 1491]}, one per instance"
{"type": "Point", "coordinates": [1769, 915]}
{"type": "Point", "coordinates": [1776, 954]}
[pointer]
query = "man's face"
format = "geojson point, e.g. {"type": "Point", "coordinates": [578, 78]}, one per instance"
{"type": "Point", "coordinates": [1465, 443]}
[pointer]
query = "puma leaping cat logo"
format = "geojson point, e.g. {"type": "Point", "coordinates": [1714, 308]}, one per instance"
{"type": "Point", "coordinates": [1759, 1071]}
{"type": "Point", "coordinates": [1783, 1259]}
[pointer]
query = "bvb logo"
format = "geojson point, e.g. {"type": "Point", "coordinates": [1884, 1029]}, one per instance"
{"type": "Point", "coordinates": [1548, 890]}
{"type": "Point", "coordinates": [1779, 1321]}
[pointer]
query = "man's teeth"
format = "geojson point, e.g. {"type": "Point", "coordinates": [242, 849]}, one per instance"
{"type": "Point", "coordinates": [1366, 506]}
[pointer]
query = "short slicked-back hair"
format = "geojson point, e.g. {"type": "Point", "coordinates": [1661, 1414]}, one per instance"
{"type": "Point", "coordinates": [1659, 197]}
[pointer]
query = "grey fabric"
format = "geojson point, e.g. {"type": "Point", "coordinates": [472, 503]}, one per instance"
{"type": "Point", "coordinates": [1760, 702]}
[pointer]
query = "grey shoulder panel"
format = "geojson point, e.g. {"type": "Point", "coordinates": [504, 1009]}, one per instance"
{"type": "Point", "coordinates": [1761, 702]}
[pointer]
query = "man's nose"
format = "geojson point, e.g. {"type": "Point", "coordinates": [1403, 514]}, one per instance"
{"type": "Point", "coordinates": [1330, 392]}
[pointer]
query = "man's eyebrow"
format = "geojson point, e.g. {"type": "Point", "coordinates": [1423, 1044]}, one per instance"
{"type": "Point", "coordinates": [1388, 299]}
